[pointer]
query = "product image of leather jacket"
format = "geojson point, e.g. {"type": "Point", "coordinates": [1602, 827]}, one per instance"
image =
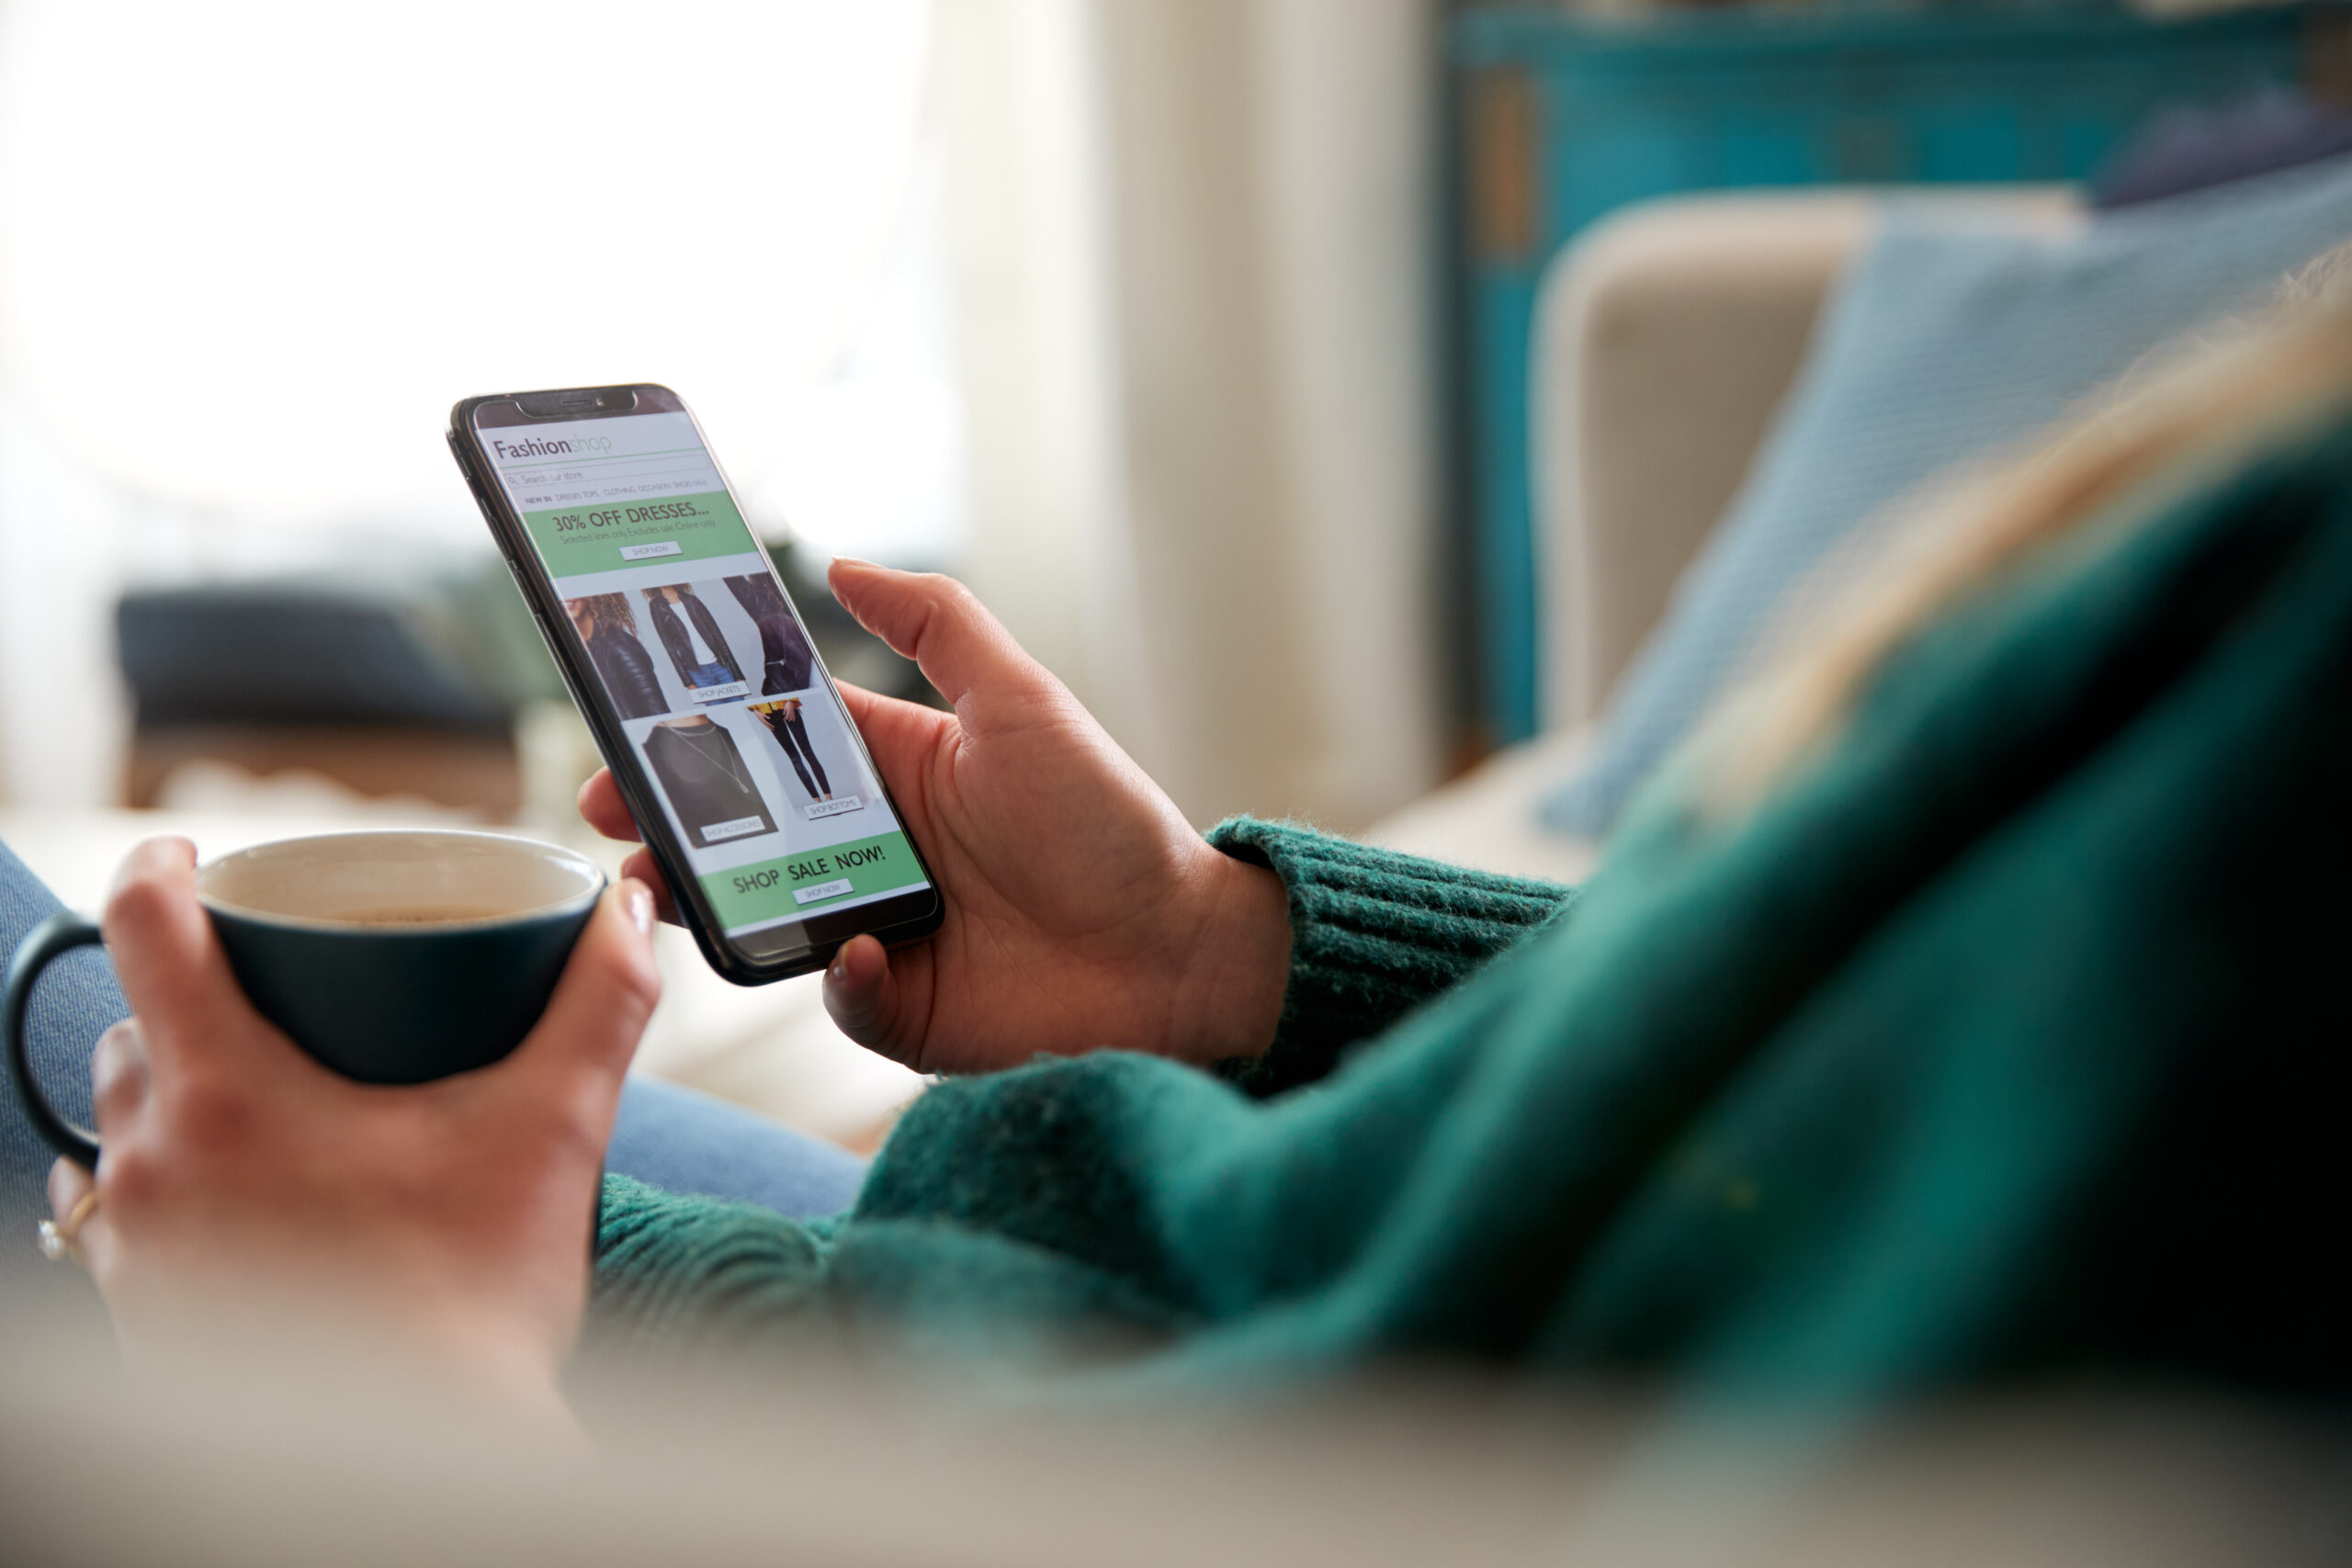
{"type": "Point", "coordinates": [679, 647]}
{"type": "Point", "coordinates": [627, 669]}
{"type": "Point", "coordinates": [708, 783]}
{"type": "Point", "coordinates": [790, 664]}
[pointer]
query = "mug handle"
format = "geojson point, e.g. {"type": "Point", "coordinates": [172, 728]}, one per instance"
{"type": "Point", "coordinates": [55, 936]}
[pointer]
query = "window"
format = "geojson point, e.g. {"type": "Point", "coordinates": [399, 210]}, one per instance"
{"type": "Point", "coordinates": [252, 253]}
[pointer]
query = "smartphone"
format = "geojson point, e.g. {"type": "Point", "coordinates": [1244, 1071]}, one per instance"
{"type": "Point", "coordinates": [697, 676]}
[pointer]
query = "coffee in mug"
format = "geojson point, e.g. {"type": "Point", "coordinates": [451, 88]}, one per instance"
{"type": "Point", "coordinates": [393, 957]}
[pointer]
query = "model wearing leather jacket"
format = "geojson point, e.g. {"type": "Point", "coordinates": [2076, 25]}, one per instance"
{"type": "Point", "coordinates": [627, 669]}
{"type": "Point", "coordinates": [673, 632]}
{"type": "Point", "coordinates": [607, 629]}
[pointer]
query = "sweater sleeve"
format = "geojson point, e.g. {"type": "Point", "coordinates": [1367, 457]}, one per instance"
{"type": "Point", "coordinates": [1373, 934]}
{"type": "Point", "coordinates": [685, 1279]}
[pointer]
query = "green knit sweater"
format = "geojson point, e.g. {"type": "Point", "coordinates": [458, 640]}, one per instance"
{"type": "Point", "coordinates": [2009, 1038]}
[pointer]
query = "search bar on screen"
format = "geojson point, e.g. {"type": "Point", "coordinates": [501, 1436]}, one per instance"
{"type": "Point", "coordinates": [639, 476]}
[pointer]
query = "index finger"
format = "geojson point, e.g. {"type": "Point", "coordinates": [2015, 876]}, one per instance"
{"type": "Point", "coordinates": [601, 807]}
{"type": "Point", "coordinates": [962, 650]}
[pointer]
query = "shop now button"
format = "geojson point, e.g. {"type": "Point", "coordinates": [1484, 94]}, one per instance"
{"type": "Point", "coordinates": [647, 552]}
{"type": "Point", "coordinates": [823, 890]}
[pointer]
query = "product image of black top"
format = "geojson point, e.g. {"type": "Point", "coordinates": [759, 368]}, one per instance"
{"type": "Point", "coordinates": [628, 675]}
{"type": "Point", "coordinates": [708, 780]}
{"type": "Point", "coordinates": [783, 646]}
{"type": "Point", "coordinates": [680, 647]}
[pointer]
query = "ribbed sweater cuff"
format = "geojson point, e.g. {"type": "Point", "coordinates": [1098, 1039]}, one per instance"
{"type": "Point", "coordinates": [1373, 934]}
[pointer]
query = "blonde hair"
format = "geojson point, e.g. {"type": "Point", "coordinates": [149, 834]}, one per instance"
{"type": "Point", "coordinates": [2251, 388]}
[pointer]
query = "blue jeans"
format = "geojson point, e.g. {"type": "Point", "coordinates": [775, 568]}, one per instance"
{"type": "Point", "coordinates": [671, 1138]}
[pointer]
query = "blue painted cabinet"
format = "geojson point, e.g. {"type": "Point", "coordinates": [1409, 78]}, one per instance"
{"type": "Point", "coordinates": [1559, 120]}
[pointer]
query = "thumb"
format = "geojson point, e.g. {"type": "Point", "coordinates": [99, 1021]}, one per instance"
{"type": "Point", "coordinates": [600, 1004]}
{"type": "Point", "coordinates": [939, 624]}
{"type": "Point", "coordinates": [868, 1002]}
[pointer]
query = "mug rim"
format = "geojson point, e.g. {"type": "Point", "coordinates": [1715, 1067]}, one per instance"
{"type": "Point", "coordinates": [575, 903]}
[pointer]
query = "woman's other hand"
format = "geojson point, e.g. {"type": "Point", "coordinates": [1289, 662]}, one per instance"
{"type": "Point", "coordinates": [1083, 911]}
{"type": "Point", "coordinates": [245, 1188]}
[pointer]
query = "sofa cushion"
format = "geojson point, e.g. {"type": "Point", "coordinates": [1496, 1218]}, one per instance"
{"type": "Point", "coordinates": [1946, 340]}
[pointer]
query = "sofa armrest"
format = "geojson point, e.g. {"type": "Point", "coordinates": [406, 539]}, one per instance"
{"type": "Point", "coordinates": [1664, 343]}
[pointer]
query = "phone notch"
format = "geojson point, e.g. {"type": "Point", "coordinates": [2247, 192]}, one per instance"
{"type": "Point", "coordinates": [578, 403]}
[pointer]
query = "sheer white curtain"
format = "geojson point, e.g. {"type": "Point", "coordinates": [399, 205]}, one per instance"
{"type": "Point", "coordinates": [1195, 293]}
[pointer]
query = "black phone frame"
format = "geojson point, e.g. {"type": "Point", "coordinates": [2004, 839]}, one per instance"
{"type": "Point", "coordinates": [905, 923]}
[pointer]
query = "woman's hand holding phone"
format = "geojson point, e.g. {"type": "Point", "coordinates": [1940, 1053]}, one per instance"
{"type": "Point", "coordinates": [1083, 910]}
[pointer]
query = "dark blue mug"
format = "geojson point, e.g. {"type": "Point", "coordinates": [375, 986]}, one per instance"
{"type": "Point", "coordinates": [395, 957]}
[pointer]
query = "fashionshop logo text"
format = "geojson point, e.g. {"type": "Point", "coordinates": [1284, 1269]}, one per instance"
{"type": "Point", "coordinates": [531, 446]}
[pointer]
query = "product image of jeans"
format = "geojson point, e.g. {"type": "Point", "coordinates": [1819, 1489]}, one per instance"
{"type": "Point", "coordinates": [792, 734]}
{"type": "Point", "coordinates": [671, 1138]}
{"type": "Point", "coordinates": [703, 676]}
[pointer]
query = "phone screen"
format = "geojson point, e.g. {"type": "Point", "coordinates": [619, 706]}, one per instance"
{"type": "Point", "coordinates": [709, 667]}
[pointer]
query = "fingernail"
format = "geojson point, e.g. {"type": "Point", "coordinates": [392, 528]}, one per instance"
{"type": "Point", "coordinates": [838, 970]}
{"type": "Point", "coordinates": [638, 899]}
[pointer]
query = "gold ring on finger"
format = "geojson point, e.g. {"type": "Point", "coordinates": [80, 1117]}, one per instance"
{"type": "Point", "coordinates": [61, 1241]}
